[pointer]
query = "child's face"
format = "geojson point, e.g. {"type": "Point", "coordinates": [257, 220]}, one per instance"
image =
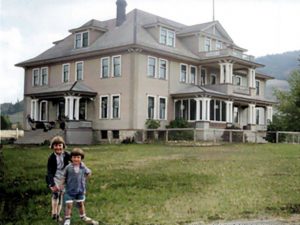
{"type": "Point", "coordinates": [58, 148]}
{"type": "Point", "coordinates": [76, 159]}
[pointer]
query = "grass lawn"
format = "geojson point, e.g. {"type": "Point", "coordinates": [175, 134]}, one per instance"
{"type": "Point", "coordinates": [160, 184]}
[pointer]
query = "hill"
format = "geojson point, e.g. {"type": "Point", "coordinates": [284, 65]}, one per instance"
{"type": "Point", "coordinates": [10, 108]}
{"type": "Point", "coordinates": [280, 65]}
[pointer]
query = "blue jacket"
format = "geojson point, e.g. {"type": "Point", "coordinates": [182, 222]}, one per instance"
{"type": "Point", "coordinates": [75, 183]}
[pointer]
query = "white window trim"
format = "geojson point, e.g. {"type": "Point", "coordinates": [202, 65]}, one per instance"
{"type": "Point", "coordinates": [187, 73]}
{"type": "Point", "coordinates": [190, 74]}
{"type": "Point", "coordinates": [41, 76]}
{"type": "Point", "coordinates": [100, 108]}
{"type": "Point", "coordinates": [207, 39]}
{"type": "Point", "coordinates": [76, 63]}
{"type": "Point", "coordinates": [40, 110]}
{"type": "Point", "coordinates": [221, 45]}
{"type": "Point", "coordinates": [111, 106]}
{"type": "Point", "coordinates": [155, 67]}
{"type": "Point", "coordinates": [81, 39]}
{"type": "Point", "coordinates": [241, 79]}
{"type": "Point", "coordinates": [259, 92]}
{"type": "Point", "coordinates": [155, 107]}
{"type": "Point", "coordinates": [213, 75]}
{"type": "Point", "coordinates": [112, 65]}
{"type": "Point", "coordinates": [168, 32]}
{"type": "Point", "coordinates": [205, 78]}
{"type": "Point", "coordinates": [62, 72]}
{"type": "Point", "coordinates": [35, 69]}
{"type": "Point", "coordinates": [166, 109]}
{"type": "Point", "coordinates": [101, 71]}
{"type": "Point", "coordinates": [167, 69]}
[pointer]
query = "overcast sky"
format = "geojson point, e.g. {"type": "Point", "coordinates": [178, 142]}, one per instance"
{"type": "Point", "coordinates": [28, 27]}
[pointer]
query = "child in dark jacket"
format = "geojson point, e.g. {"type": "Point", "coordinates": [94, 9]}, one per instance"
{"type": "Point", "coordinates": [57, 162]}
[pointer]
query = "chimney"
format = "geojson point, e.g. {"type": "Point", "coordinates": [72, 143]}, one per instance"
{"type": "Point", "coordinates": [121, 12]}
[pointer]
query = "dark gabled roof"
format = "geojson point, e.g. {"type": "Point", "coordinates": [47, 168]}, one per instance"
{"type": "Point", "coordinates": [77, 87]}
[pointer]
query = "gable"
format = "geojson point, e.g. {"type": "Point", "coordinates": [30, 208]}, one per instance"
{"type": "Point", "coordinates": [217, 30]}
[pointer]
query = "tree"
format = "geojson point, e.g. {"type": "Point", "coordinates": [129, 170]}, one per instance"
{"type": "Point", "coordinates": [288, 115]}
{"type": "Point", "coordinates": [5, 123]}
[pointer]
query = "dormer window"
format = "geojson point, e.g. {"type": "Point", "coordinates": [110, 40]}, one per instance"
{"type": "Point", "coordinates": [167, 37]}
{"type": "Point", "coordinates": [207, 45]}
{"type": "Point", "coordinates": [81, 39]}
{"type": "Point", "coordinates": [219, 45]}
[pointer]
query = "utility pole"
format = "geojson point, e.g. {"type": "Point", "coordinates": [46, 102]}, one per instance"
{"type": "Point", "coordinates": [213, 10]}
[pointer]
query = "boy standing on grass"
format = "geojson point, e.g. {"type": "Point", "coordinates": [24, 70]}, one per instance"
{"type": "Point", "coordinates": [57, 162]}
{"type": "Point", "coordinates": [75, 175]}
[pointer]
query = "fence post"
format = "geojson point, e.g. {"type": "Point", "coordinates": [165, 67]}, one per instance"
{"type": "Point", "coordinates": [195, 135]}
{"type": "Point", "coordinates": [243, 136]}
{"type": "Point", "coordinates": [255, 137]}
{"type": "Point", "coordinates": [215, 138]}
{"type": "Point", "coordinates": [167, 135]}
{"type": "Point", "coordinates": [17, 133]}
{"type": "Point", "coordinates": [230, 136]}
{"type": "Point", "coordinates": [277, 134]}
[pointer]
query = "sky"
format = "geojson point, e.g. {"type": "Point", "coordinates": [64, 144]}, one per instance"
{"type": "Point", "coordinates": [29, 27]}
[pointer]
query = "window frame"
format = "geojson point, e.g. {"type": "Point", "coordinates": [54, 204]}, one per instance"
{"type": "Point", "coordinates": [203, 82]}
{"type": "Point", "coordinates": [240, 79]}
{"type": "Point", "coordinates": [219, 45]}
{"type": "Point", "coordinates": [155, 67]}
{"type": "Point", "coordinates": [113, 65]}
{"type": "Point", "coordinates": [80, 43]}
{"type": "Point", "coordinates": [170, 35]}
{"type": "Point", "coordinates": [76, 71]}
{"type": "Point", "coordinates": [207, 44]}
{"type": "Point", "coordinates": [257, 90]}
{"type": "Point", "coordinates": [46, 110]}
{"type": "Point", "coordinates": [34, 82]}
{"type": "Point", "coordinates": [112, 106]}
{"type": "Point", "coordinates": [100, 108]}
{"type": "Point", "coordinates": [63, 72]}
{"type": "Point", "coordinates": [101, 67]}
{"type": "Point", "coordinates": [186, 73]}
{"type": "Point", "coordinates": [190, 73]}
{"type": "Point", "coordinates": [166, 69]}
{"type": "Point", "coordinates": [211, 78]}
{"type": "Point", "coordinates": [154, 107]}
{"type": "Point", "coordinates": [166, 108]}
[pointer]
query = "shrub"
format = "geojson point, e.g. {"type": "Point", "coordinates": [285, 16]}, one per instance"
{"type": "Point", "coordinates": [152, 124]}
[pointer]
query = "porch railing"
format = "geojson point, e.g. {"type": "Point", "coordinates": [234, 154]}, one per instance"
{"type": "Point", "coordinates": [227, 52]}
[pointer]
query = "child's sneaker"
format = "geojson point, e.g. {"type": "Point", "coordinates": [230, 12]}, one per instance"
{"type": "Point", "coordinates": [67, 222]}
{"type": "Point", "coordinates": [88, 220]}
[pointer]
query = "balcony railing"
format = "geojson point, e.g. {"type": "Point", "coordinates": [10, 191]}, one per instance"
{"type": "Point", "coordinates": [241, 89]}
{"type": "Point", "coordinates": [227, 52]}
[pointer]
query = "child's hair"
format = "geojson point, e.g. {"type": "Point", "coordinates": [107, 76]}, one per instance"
{"type": "Point", "coordinates": [57, 140]}
{"type": "Point", "coordinates": [77, 151]}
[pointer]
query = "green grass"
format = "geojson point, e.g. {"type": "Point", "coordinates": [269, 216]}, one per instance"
{"type": "Point", "coordinates": [159, 184]}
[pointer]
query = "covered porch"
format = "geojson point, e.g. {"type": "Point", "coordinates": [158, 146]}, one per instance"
{"type": "Point", "coordinates": [66, 104]}
{"type": "Point", "coordinates": [215, 110]}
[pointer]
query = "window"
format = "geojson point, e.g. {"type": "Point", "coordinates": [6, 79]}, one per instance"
{"type": "Point", "coordinates": [81, 40]}
{"type": "Point", "coordinates": [203, 77]}
{"type": "Point", "coordinates": [193, 74]}
{"type": "Point", "coordinates": [213, 78]}
{"type": "Point", "coordinates": [257, 85]}
{"type": "Point", "coordinates": [116, 67]}
{"type": "Point", "coordinates": [151, 107]}
{"type": "Point", "coordinates": [104, 107]}
{"type": "Point", "coordinates": [219, 45]}
{"type": "Point", "coordinates": [35, 77]}
{"type": "Point", "coordinates": [151, 66]}
{"type": "Point", "coordinates": [115, 104]}
{"type": "Point", "coordinates": [257, 116]}
{"type": "Point", "coordinates": [207, 45]}
{"type": "Point", "coordinates": [162, 69]}
{"type": "Point", "coordinates": [162, 108]}
{"type": "Point", "coordinates": [238, 80]}
{"type": "Point", "coordinates": [43, 110]}
{"type": "Point", "coordinates": [65, 73]}
{"type": "Point", "coordinates": [44, 77]}
{"type": "Point", "coordinates": [79, 70]}
{"type": "Point", "coordinates": [104, 67]}
{"type": "Point", "coordinates": [217, 110]}
{"type": "Point", "coordinates": [82, 109]}
{"type": "Point", "coordinates": [193, 109]}
{"type": "Point", "coordinates": [183, 72]}
{"type": "Point", "coordinates": [167, 37]}
{"type": "Point", "coordinates": [235, 114]}
{"type": "Point", "coordinates": [104, 134]}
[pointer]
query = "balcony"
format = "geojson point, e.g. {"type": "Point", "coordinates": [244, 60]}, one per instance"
{"type": "Point", "coordinates": [241, 89]}
{"type": "Point", "coordinates": [226, 52]}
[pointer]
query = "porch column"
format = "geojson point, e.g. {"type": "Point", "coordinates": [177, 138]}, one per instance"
{"type": "Point", "coordinates": [229, 110]}
{"type": "Point", "coordinates": [226, 71]}
{"type": "Point", "coordinates": [69, 105]}
{"type": "Point", "coordinates": [251, 114]}
{"type": "Point", "coordinates": [197, 108]}
{"type": "Point", "coordinates": [76, 112]}
{"type": "Point", "coordinates": [205, 109]}
{"type": "Point", "coordinates": [34, 109]}
{"type": "Point", "coordinates": [269, 114]}
{"type": "Point", "coordinates": [251, 78]}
